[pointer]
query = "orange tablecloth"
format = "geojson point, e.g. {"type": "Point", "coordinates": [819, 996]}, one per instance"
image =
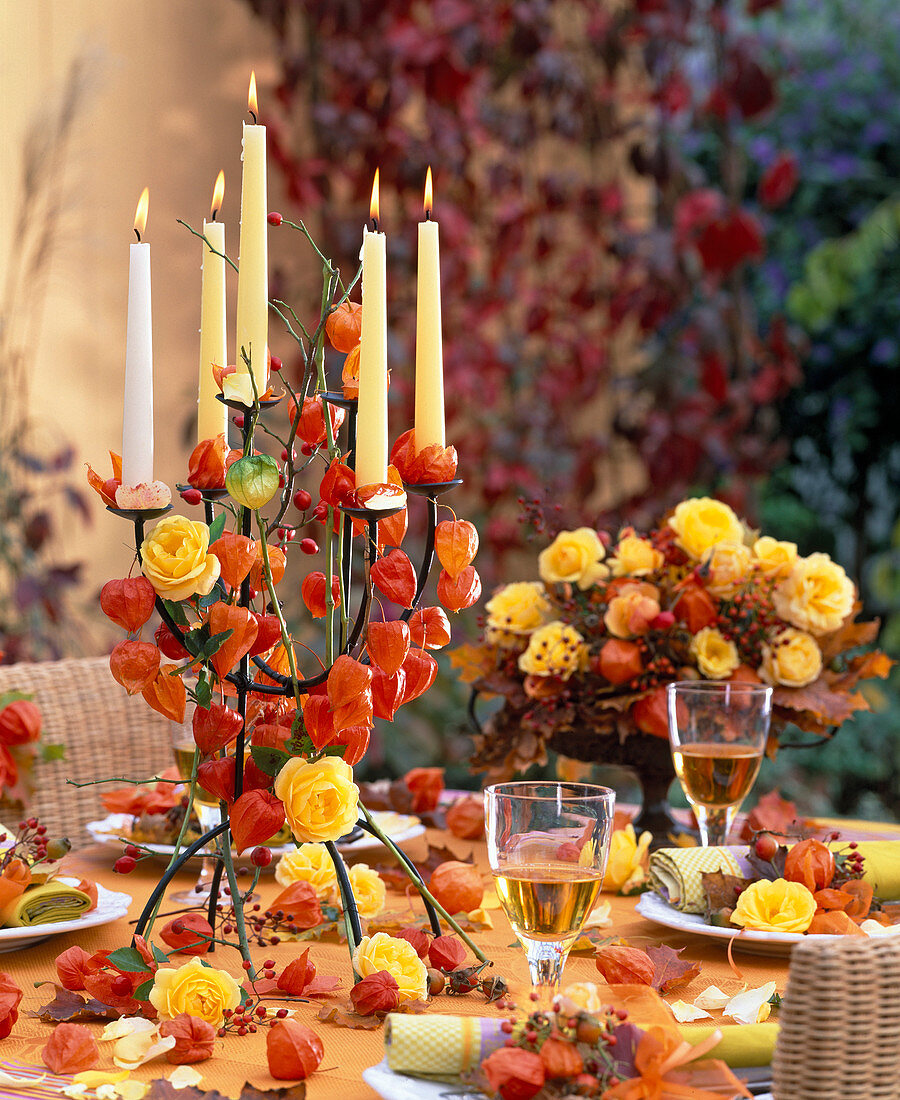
{"type": "Point", "coordinates": [347, 1053]}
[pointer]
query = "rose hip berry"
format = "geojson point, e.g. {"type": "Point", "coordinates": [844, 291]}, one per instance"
{"type": "Point", "coordinates": [302, 500]}
{"type": "Point", "coordinates": [275, 363]}
{"type": "Point", "coordinates": [766, 846]}
{"type": "Point", "coordinates": [124, 865]}
{"type": "Point", "coordinates": [274, 218]}
{"type": "Point", "coordinates": [261, 856]}
{"type": "Point", "coordinates": [309, 546]}
{"type": "Point", "coordinates": [191, 496]}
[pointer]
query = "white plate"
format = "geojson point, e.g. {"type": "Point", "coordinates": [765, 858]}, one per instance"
{"type": "Point", "coordinates": [110, 906]}
{"type": "Point", "coordinates": [397, 1086]}
{"type": "Point", "coordinates": [116, 828]}
{"type": "Point", "coordinates": [653, 907]}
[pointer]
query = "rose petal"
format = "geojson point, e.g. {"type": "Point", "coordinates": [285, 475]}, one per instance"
{"type": "Point", "coordinates": [184, 1076]}
{"type": "Point", "coordinates": [10, 1080]}
{"type": "Point", "coordinates": [125, 1025]}
{"type": "Point", "coordinates": [132, 1090]}
{"type": "Point", "coordinates": [686, 1014]}
{"type": "Point", "coordinates": [873, 928]}
{"type": "Point", "coordinates": [76, 1092]}
{"type": "Point", "coordinates": [752, 1006]}
{"type": "Point", "coordinates": [94, 1077]}
{"type": "Point", "coordinates": [712, 997]}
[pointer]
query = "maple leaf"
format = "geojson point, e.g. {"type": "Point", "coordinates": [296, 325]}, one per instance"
{"type": "Point", "coordinates": [474, 662]}
{"type": "Point", "coordinates": [68, 1005]}
{"type": "Point", "coordinates": [823, 704]}
{"type": "Point", "coordinates": [669, 971]}
{"type": "Point", "coordinates": [627, 1038]}
{"type": "Point", "coordinates": [849, 635]}
{"type": "Point", "coordinates": [162, 1089]}
{"type": "Point", "coordinates": [344, 1016]}
{"type": "Point", "coordinates": [722, 890]}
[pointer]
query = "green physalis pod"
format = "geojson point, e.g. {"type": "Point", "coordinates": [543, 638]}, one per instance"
{"type": "Point", "coordinates": [253, 480]}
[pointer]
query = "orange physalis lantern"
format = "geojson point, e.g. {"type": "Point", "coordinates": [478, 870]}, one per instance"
{"type": "Point", "coordinates": [421, 670]}
{"type": "Point", "coordinates": [395, 577]}
{"type": "Point", "coordinates": [388, 644]}
{"type": "Point", "coordinates": [461, 592]}
{"type": "Point", "coordinates": [129, 602]}
{"type": "Point", "coordinates": [241, 623]}
{"type": "Point", "coordinates": [237, 555]}
{"type": "Point", "coordinates": [387, 692]}
{"type": "Point", "coordinates": [318, 720]}
{"type": "Point", "coordinates": [166, 694]}
{"type": "Point", "coordinates": [430, 628]}
{"type": "Point", "coordinates": [134, 665]}
{"type": "Point", "coordinates": [344, 325]}
{"type": "Point", "coordinates": [811, 863]}
{"type": "Point", "coordinates": [456, 544]}
{"type": "Point", "coordinates": [313, 592]}
{"type": "Point", "coordinates": [311, 421]}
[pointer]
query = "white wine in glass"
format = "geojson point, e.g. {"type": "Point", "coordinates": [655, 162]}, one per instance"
{"type": "Point", "coordinates": [547, 846]}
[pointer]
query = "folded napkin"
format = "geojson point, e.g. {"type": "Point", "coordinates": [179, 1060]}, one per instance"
{"type": "Point", "coordinates": [741, 1045]}
{"type": "Point", "coordinates": [676, 874]}
{"type": "Point", "coordinates": [49, 903]}
{"type": "Point", "coordinates": [445, 1045]}
{"type": "Point", "coordinates": [882, 866]}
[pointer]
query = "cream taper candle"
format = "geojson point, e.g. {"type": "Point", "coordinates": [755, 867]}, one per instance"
{"type": "Point", "coordinates": [137, 416]}
{"type": "Point", "coordinates": [212, 415]}
{"type": "Point", "coordinates": [253, 285]}
{"type": "Point", "coordinates": [371, 425]}
{"type": "Point", "coordinates": [429, 423]}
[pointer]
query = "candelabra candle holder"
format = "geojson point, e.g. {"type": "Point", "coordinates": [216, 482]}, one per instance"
{"type": "Point", "coordinates": [245, 677]}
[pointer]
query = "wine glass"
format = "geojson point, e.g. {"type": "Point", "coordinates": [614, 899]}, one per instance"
{"type": "Point", "coordinates": [547, 847]}
{"type": "Point", "coordinates": [208, 812]}
{"type": "Point", "coordinates": [718, 733]}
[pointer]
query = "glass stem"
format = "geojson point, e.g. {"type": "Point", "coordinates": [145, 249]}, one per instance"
{"type": "Point", "coordinates": [714, 822]}
{"type": "Point", "coordinates": [545, 963]}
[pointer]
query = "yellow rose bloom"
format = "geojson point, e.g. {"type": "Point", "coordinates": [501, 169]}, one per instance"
{"type": "Point", "coordinates": [726, 564]}
{"type": "Point", "coordinates": [514, 611]}
{"type": "Point", "coordinates": [196, 989]}
{"type": "Point", "coordinates": [817, 595]}
{"type": "Point", "coordinates": [701, 523]}
{"type": "Point", "coordinates": [636, 557]}
{"type": "Point", "coordinates": [320, 800]}
{"type": "Point", "coordinates": [175, 559]}
{"type": "Point", "coordinates": [368, 889]}
{"type": "Point", "coordinates": [574, 557]}
{"type": "Point", "coordinates": [774, 558]}
{"type": "Point", "coordinates": [309, 863]}
{"type": "Point", "coordinates": [715, 655]}
{"type": "Point", "coordinates": [630, 614]}
{"type": "Point", "coordinates": [399, 959]}
{"type": "Point", "coordinates": [793, 659]}
{"type": "Point", "coordinates": [778, 906]}
{"type": "Point", "coordinates": [625, 865]}
{"type": "Point", "coordinates": [554, 650]}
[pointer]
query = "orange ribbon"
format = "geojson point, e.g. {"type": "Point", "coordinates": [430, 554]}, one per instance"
{"type": "Point", "coordinates": [659, 1055]}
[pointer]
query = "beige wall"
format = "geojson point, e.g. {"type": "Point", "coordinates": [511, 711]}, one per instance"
{"type": "Point", "coordinates": [166, 96]}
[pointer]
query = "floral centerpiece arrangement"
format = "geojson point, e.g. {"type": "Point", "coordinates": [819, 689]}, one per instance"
{"type": "Point", "coordinates": [582, 657]}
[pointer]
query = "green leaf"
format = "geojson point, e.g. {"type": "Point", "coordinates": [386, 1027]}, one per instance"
{"type": "Point", "coordinates": [194, 640]}
{"type": "Point", "coordinates": [215, 643]}
{"type": "Point", "coordinates": [269, 760]}
{"type": "Point", "coordinates": [300, 746]}
{"type": "Point", "coordinates": [128, 959]}
{"type": "Point", "coordinates": [53, 752]}
{"type": "Point", "coordinates": [177, 612]}
{"type": "Point", "coordinates": [143, 991]}
{"type": "Point", "coordinates": [14, 696]}
{"type": "Point", "coordinates": [217, 527]}
{"type": "Point", "coordinates": [159, 954]}
{"type": "Point", "coordinates": [204, 692]}
{"type": "Point", "coordinates": [218, 593]}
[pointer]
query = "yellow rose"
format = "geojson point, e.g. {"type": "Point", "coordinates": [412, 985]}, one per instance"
{"type": "Point", "coordinates": [554, 650]}
{"type": "Point", "coordinates": [368, 889]}
{"type": "Point", "coordinates": [573, 557]}
{"type": "Point", "coordinates": [636, 557]}
{"type": "Point", "coordinates": [514, 611]}
{"type": "Point", "coordinates": [778, 906]}
{"type": "Point", "coordinates": [625, 865]}
{"type": "Point", "coordinates": [320, 799]}
{"type": "Point", "coordinates": [398, 958]}
{"type": "Point", "coordinates": [196, 989]}
{"type": "Point", "coordinates": [726, 564]}
{"type": "Point", "coordinates": [774, 558]}
{"type": "Point", "coordinates": [630, 613]}
{"type": "Point", "coordinates": [715, 655]}
{"type": "Point", "coordinates": [817, 595]}
{"type": "Point", "coordinates": [701, 523]}
{"type": "Point", "coordinates": [309, 863]}
{"type": "Point", "coordinates": [793, 658]}
{"type": "Point", "coordinates": [176, 559]}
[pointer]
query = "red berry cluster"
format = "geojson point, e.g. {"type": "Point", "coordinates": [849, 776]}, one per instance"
{"type": "Point", "coordinates": [748, 619]}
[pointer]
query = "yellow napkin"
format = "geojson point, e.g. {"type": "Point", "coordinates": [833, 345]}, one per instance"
{"type": "Point", "coordinates": [741, 1045]}
{"type": "Point", "coordinates": [49, 903]}
{"type": "Point", "coordinates": [882, 866]}
{"type": "Point", "coordinates": [675, 873]}
{"type": "Point", "coordinates": [446, 1045]}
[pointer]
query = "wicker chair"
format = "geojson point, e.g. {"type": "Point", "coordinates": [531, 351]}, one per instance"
{"type": "Point", "coordinates": [840, 1023]}
{"type": "Point", "coordinates": [104, 731]}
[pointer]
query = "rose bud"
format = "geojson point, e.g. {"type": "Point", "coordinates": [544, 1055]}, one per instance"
{"type": "Point", "coordinates": [419, 939]}
{"type": "Point", "coordinates": [293, 1050]}
{"type": "Point", "coordinates": [625, 965]}
{"type": "Point", "coordinates": [514, 1074]}
{"type": "Point", "coordinates": [446, 953]}
{"type": "Point", "coordinates": [375, 993]}
{"type": "Point", "coordinates": [195, 1039]}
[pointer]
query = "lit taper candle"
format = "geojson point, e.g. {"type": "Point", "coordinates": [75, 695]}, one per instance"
{"type": "Point", "coordinates": [429, 422]}
{"type": "Point", "coordinates": [137, 417]}
{"type": "Point", "coordinates": [371, 430]}
{"type": "Point", "coordinates": [212, 415]}
{"type": "Point", "coordinates": [253, 286]}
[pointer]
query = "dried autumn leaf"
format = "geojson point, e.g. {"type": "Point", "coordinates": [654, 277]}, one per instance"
{"type": "Point", "coordinates": [456, 594]}
{"type": "Point", "coordinates": [456, 544]}
{"type": "Point", "coordinates": [388, 644]}
{"type": "Point", "coordinates": [128, 601]}
{"type": "Point", "coordinates": [394, 575]}
{"type": "Point", "coordinates": [68, 1005]}
{"type": "Point", "coordinates": [722, 890]}
{"type": "Point", "coordinates": [313, 592]}
{"type": "Point", "coordinates": [342, 1016]}
{"type": "Point", "coordinates": [215, 726]}
{"type": "Point", "coordinates": [255, 816]}
{"type": "Point", "coordinates": [669, 971]}
{"type": "Point", "coordinates": [166, 694]}
{"type": "Point", "coordinates": [237, 555]}
{"type": "Point", "coordinates": [134, 665]}
{"type": "Point", "coordinates": [429, 628]}
{"type": "Point", "coordinates": [70, 1049]}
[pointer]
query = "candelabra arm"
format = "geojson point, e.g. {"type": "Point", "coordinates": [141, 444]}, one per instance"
{"type": "Point", "coordinates": [433, 918]}
{"type": "Point", "coordinates": [427, 558]}
{"type": "Point", "coordinates": [348, 901]}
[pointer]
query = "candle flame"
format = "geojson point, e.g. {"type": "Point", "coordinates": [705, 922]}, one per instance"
{"type": "Point", "coordinates": [218, 196]}
{"type": "Point", "coordinates": [140, 215]}
{"type": "Point", "coordinates": [429, 197]}
{"type": "Point", "coordinates": [252, 104]}
{"type": "Point", "coordinates": [374, 212]}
